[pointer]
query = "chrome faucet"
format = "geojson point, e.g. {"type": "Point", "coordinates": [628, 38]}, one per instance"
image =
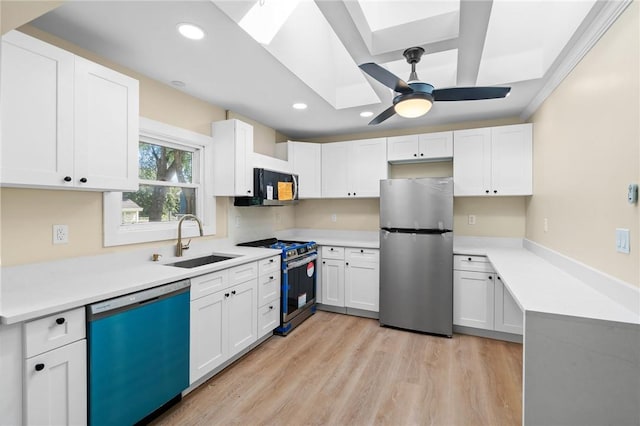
{"type": "Point", "coordinates": [180, 247]}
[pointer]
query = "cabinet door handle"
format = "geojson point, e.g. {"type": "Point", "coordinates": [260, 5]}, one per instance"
{"type": "Point", "coordinates": [421, 155]}
{"type": "Point", "coordinates": [415, 155]}
{"type": "Point", "coordinates": [324, 263]}
{"type": "Point", "coordinates": [349, 193]}
{"type": "Point", "coordinates": [495, 191]}
{"type": "Point", "coordinates": [347, 263]}
{"type": "Point", "coordinates": [59, 321]}
{"type": "Point", "coordinates": [331, 248]}
{"type": "Point", "coordinates": [361, 251]}
{"type": "Point", "coordinates": [271, 307]}
{"type": "Point", "coordinates": [271, 278]}
{"type": "Point", "coordinates": [490, 277]}
{"type": "Point", "coordinates": [487, 191]}
{"type": "Point", "coordinates": [39, 367]}
{"type": "Point", "coordinates": [83, 180]}
{"type": "Point", "coordinates": [233, 292]}
{"type": "Point", "coordinates": [354, 194]}
{"type": "Point", "coordinates": [499, 279]}
{"type": "Point", "coordinates": [270, 260]}
{"type": "Point", "coordinates": [470, 260]}
{"type": "Point", "coordinates": [226, 295]}
{"type": "Point", "coordinates": [67, 179]}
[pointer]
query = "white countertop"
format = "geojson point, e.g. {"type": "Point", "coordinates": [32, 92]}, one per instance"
{"type": "Point", "coordinates": [35, 290]}
{"type": "Point", "coordinates": [539, 286]}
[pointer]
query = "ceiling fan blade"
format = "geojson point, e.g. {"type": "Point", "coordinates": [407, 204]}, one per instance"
{"type": "Point", "coordinates": [387, 113]}
{"type": "Point", "coordinates": [470, 93]}
{"type": "Point", "coordinates": [385, 77]}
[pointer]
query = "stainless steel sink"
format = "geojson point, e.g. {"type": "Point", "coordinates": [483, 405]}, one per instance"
{"type": "Point", "coordinates": [201, 261]}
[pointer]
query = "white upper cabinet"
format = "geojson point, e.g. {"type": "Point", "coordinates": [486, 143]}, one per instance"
{"type": "Point", "coordinates": [232, 158]}
{"type": "Point", "coordinates": [67, 122]}
{"type": "Point", "coordinates": [354, 168]}
{"type": "Point", "coordinates": [306, 162]}
{"type": "Point", "coordinates": [417, 148]}
{"type": "Point", "coordinates": [494, 161]}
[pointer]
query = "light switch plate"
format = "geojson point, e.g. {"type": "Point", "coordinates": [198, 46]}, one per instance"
{"type": "Point", "coordinates": [622, 240]}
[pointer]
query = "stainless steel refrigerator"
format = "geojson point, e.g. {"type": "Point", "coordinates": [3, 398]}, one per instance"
{"type": "Point", "coordinates": [416, 254]}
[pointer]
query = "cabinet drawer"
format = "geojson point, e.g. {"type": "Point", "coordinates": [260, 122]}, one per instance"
{"type": "Point", "coordinates": [268, 318]}
{"type": "Point", "coordinates": [329, 252]}
{"type": "Point", "coordinates": [472, 263]}
{"type": "Point", "coordinates": [372, 255]}
{"type": "Point", "coordinates": [268, 288]}
{"type": "Point", "coordinates": [242, 273]}
{"type": "Point", "coordinates": [53, 331]}
{"type": "Point", "coordinates": [266, 266]}
{"type": "Point", "coordinates": [209, 284]}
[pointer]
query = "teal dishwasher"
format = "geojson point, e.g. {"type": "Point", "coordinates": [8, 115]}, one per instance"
{"type": "Point", "coordinates": [138, 353]}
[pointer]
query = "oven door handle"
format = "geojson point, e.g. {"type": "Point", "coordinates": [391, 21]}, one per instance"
{"type": "Point", "coordinates": [301, 261]}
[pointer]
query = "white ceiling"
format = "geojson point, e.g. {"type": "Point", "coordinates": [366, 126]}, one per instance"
{"type": "Point", "coordinates": [313, 56]}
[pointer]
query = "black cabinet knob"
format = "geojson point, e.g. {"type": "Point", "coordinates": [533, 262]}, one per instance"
{"type": "Point", "coordinates": [415, 155]}
{"type": "Point", "coordinates": [490, 277]}
{"type": "Point", "coordinates": [487, 191]}
{"type": "Point", "coordinates": [495, 191]}
{"type": "Point", "coordinates": [270, 278]}
{"type": "Point", "coordinates": [270, 308]}
{"type": "Point", "coordinates": [347, 263]}
{"type": "Point", "coordinates": [324, 263]}
{"type": "Point", "coordinates": [226, 295]}
{"type": "Point", "coordinates": [331, 248]}
{"type": "Point", "coordinates": [248, 191]}
{"type": "Point", "coordinates": [271, 260]}
{"type": "Point", "coordinates": [421, 155]}
{"type": "Point", "coordinates": [361, 251]}
{"type": "Point", "coordinates": [39, 367]}
{"type": "Point", "coordinates": [349, 193]}
{"type": "Point", "coordinates": [59, 321]}
{"type": "Point", "coordinates": [67, 179]}
{"type": "Point", "coordinates": [233, 292]}
{"type": "Point", "coordinates": [469, 259]}
{"type": "Point", "coordinates": [83, 180]}
{"type": "Point", "coordinates": [499, 279]}
{"type": "Point", "coordinates": [354, 194]}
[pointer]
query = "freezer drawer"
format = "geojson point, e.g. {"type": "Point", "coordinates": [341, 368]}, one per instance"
{"type": "Point", "coordinates": [416, 281]}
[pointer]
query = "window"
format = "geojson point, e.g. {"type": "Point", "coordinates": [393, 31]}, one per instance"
{"type": "Point", "coordinates": [171, 170]}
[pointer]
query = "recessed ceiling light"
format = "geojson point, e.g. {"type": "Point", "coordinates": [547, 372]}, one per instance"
{"type": "Point", "coordinates": [299, 105]}
{"type": "Point", "coordinates": [366, 114]}
{"type": "Point", "coordinates": [178, 83]}
{"type": "Point", "coordinates": [191, 31]}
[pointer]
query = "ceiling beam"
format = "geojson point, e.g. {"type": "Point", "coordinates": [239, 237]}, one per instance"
{"type": "Point", "coordinates": [474, 20]}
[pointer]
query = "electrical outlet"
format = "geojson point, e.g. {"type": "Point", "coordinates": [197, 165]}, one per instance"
{"type": "Point", "coordinates": [546, 224]}
{"type": "Point", "coordinates": [622, 240]}
{"type": "Point", "coordinates": [472, 219]}
{"type": "Point", "coordinates": [334, 217]}
{"type": "Point", "coordinates": [60, 234]}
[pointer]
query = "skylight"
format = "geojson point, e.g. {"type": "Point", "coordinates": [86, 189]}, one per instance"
{"type": "Point", "coordinates": [266, 18]}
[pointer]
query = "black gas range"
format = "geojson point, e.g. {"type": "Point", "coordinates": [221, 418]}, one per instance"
{"type": "Point", "coordinates": [298, 280]}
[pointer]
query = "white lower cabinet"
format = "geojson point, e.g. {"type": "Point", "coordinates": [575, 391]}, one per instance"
{"type": "Point", "coordinates": [55, 370]}
{"type": "Point", "coordinates": [269, 282]}
{"type": "Point", "coordinates": [350, 277]}
{"type": "Point", "coordinates": [223, 322]}
{"type": "Point", "coordinates": [362, 279]}
{"type": "Point", "coordinates": [56, 386]}
{"type": "Point", "coordinates": [480, 300]}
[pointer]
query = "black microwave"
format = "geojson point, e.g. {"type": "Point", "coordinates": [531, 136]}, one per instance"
{"type": "Point", "coordinates": [271, 189]}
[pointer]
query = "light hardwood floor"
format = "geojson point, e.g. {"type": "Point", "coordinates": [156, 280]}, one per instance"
{"type": "Point", "coordinates": [343, 370]}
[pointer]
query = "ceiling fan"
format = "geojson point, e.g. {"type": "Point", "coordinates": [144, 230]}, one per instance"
{"type": "Point", "coordinates": [415, 97]}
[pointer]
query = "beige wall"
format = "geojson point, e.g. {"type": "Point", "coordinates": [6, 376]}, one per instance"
{"type": "Point", "coordinates": [27, 232]}
{"type": "Point", "coordinates": [495, 216]}
{"type": "Point", "coordinates": [586, 152]}
{"type": "Point", "coordinates": [16, 13]}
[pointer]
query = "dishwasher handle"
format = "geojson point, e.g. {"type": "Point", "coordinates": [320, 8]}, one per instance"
{"type": "Point", "coordinates": [130, 301]}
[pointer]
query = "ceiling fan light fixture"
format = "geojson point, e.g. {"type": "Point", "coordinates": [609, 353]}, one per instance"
{"type": "Point", "coordinates": [413, 107]}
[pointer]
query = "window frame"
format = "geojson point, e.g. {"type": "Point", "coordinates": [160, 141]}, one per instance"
{"type": "Point", "coordinates": [151, 131]}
